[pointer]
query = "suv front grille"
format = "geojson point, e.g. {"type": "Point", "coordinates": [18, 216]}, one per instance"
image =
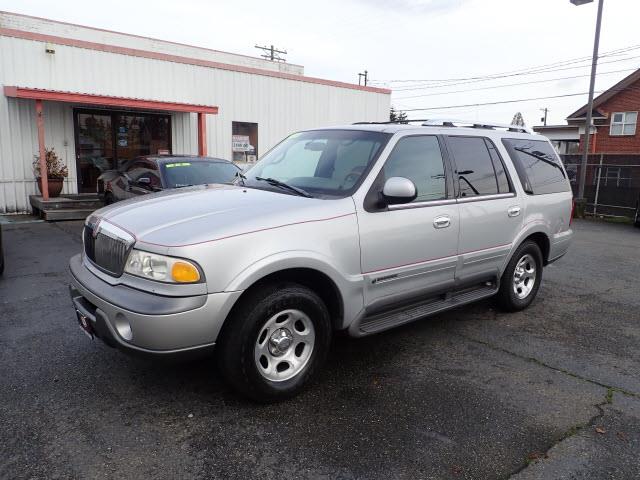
{"type": "Point", "coordinates": [107, 247]}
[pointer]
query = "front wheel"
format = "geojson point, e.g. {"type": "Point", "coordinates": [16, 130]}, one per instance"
{"type": "Point", "coordinates": [521, 279]}
{"type": "Point", "coordinates": [275, 341]}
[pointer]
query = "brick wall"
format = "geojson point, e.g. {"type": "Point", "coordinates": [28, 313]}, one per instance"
{"type": "Point", "coordinates": [627, 100]}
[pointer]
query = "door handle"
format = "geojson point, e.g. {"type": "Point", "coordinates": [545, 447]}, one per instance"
{"type": "Point", "coordinates": [513, 211]}
{"type": "Point", "coordinates": [442, 221]}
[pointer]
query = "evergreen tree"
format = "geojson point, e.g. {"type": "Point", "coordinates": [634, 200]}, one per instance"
{"type": "Point", "coordinates": [396, 116]}
{"type": "Point", "coordinates": [518, 120]}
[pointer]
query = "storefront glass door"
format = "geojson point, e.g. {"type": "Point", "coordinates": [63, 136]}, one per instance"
{"type": "Point", "coordinates": [94, 149]}
{"type": "Point", "coordinates": [106, 139]}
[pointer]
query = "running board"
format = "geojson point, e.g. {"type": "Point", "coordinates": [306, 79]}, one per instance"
{"type": "Point", "coordinates": [414, 311]}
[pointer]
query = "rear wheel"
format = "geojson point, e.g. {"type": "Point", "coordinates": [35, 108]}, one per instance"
{"type": "Point", "coordinates": [521, 279]}
{"type": "Point", "coordinates": [275, 342]}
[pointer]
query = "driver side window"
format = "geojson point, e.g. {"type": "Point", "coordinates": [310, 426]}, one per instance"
{"type": "Point", "coordinates": [419, 159]}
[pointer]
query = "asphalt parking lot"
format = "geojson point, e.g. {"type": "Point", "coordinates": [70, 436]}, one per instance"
{"type": "Point", "coordinates": [551, 392]}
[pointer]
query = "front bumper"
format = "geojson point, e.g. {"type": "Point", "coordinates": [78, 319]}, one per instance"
{"type": "Point", "coordinates": [146, 323]}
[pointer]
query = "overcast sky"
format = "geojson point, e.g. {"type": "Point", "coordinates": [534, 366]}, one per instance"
{"type": "Point", "coordinates": [424, 40]}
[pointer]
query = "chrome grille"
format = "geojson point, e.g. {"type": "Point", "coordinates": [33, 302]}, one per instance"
{"type": "Point", "coordinates": [107, 246]}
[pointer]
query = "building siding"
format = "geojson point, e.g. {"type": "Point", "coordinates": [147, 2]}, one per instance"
{"type": "Point", "coordinates": [279, 106]}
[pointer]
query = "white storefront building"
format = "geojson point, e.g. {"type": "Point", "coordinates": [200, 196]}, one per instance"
{"type": "Point", "coordinates": [100, 98]}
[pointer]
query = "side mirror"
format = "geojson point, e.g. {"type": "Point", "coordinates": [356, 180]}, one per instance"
{"type": "Point", "coordinates": [144, 182]}
{"type": "Point", "coordinates": [399, 190]}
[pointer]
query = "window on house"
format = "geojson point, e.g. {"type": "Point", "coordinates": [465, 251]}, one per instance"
{"type": "Point", "coordinates": [623, 123]}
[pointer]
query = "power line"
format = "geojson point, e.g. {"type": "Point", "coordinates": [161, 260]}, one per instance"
{"type": "Point", "coordinates": [425, 87]}
{"type": "Point", "coordinates": [526, 69]}
{"type": "Point", "coordinates": [447, 107]}
{"type": "Point", "coordinates": [512, 84]}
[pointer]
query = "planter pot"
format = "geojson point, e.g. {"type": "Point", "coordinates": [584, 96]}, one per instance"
{"type": "Point", "coordinates": [55, 186]}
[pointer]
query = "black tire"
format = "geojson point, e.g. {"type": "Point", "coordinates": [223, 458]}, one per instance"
{"type": "Point", "coordinates": [236, 344]}
{"type": "Point", "coordinates": [109, 199]}
{"type": "Point", "coordinates": [506, 298]}
{"type": "Point", "coordinates": [636, 219]}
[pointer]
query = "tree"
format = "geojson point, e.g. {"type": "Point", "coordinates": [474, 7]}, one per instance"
{"type": "Point", "coordinates": [396, 116]}
{"type": "Point", "coordinates": [518, 120]}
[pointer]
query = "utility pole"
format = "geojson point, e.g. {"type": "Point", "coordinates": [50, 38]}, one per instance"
{"type": "Point", "coordinates": [544, 119]}
{"type": "Point", "coordinates": [364, 75]}
{"type": "Point", "coordinates": [581, 201]}
{"type": "Point", "coordinates": [272, 53]}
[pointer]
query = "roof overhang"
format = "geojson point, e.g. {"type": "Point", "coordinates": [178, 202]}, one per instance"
{"type": "Point", "coordinates": [105, 100]}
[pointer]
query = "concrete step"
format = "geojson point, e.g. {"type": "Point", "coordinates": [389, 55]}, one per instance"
{"type": "Point", "coordinates": [57, 214]}
{"type": "Point", "coordinates": [66, 202]}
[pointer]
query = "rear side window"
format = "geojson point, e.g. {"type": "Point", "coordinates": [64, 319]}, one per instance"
{"type": "Point", "coordinates": [538, 166]}
{"type": "Point", "coordinates": [479, 168]}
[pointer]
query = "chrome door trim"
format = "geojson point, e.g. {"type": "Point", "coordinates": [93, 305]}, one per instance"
{"type": "Point", "coordinates": [480, 198]}
{"type": "Point", "coordinates": [399, 276]}
{"type": "Point", "coordinates": [431, 203]}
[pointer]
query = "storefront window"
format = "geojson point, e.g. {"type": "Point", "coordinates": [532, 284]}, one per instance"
{"type": "Point", "coordinates": [106, 139]}
{"type": "Point", "coordinates": [244, 142]}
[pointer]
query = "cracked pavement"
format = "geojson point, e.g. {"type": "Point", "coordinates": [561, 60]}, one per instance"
{"type": "Point", "coordinates": [551, 392]}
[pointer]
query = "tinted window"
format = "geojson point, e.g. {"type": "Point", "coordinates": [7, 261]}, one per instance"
{"type": "Point", "coordinates": [538, 166]}
{"type": "Point", "coordinates": [420, 160]}
{"type": "Point", "coordinates": [498, 166]}
{"type": "Point", "coordinates": [476, 174]}
{"type": "Point", "coordinates": [183, 172]}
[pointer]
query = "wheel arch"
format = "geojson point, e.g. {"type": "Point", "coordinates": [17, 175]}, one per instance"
{"type": "Point", "coordinates": [314, 279]}
{"type": "Point", "coordinates": [543, 242]}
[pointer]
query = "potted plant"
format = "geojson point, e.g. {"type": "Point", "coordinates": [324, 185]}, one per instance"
{"type": "Point", "coordinates": [56, 172]}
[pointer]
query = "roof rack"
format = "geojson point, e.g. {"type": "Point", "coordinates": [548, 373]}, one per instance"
{"type": "Point", "coordinates": [450, 122]}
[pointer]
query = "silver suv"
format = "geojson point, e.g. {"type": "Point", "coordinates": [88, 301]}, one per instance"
{"type": "Point", "coordinates": [358, 228]}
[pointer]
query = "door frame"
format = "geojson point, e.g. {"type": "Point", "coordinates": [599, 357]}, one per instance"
{"type": "Point", "coordinates": [114, 114]}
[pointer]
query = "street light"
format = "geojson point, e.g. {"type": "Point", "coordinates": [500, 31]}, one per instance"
{"type": "Point", "coordinates": [581, 201]}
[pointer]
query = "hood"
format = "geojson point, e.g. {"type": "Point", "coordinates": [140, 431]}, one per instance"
{"type": "Point", "coordinates": [186, 216]}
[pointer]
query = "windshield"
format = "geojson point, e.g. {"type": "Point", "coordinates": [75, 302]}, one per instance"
{"type": "Point", "coordinates": [321, 162]}
{"type": "Point", "coordinates": [184, 172]}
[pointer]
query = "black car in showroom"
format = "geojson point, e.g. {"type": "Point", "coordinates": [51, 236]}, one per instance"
{"type": "Point", "coordinates": [153, 173]}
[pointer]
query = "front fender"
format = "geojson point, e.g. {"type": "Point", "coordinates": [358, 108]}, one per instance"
{"type": "Point", "coordinates": [350, 287]}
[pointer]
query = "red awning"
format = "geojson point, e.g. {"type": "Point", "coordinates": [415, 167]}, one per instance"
{"type": "Point", "coordinates": [106, 101]}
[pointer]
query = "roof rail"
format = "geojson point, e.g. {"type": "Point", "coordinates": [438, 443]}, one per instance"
{"type": "Point", "coordinates": [449, 122]}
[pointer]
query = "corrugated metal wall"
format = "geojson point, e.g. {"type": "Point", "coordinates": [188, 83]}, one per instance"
{"type": "Point", "coordinates": [279, 106]}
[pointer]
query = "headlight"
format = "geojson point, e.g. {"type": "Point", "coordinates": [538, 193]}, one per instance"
{"type": "Point", "coordinates": [161, 268]}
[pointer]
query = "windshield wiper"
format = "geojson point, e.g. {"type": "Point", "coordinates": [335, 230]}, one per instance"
{"type": "Point", "coordinates": [286, 186]}
{"type": "Point", "coordinates": [183, 185]}
{"type": "Point", "coordinates": [541, 158]}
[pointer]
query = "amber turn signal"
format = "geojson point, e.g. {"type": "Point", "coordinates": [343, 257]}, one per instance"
{"type": "Point", "coordinates": [183, 272]}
